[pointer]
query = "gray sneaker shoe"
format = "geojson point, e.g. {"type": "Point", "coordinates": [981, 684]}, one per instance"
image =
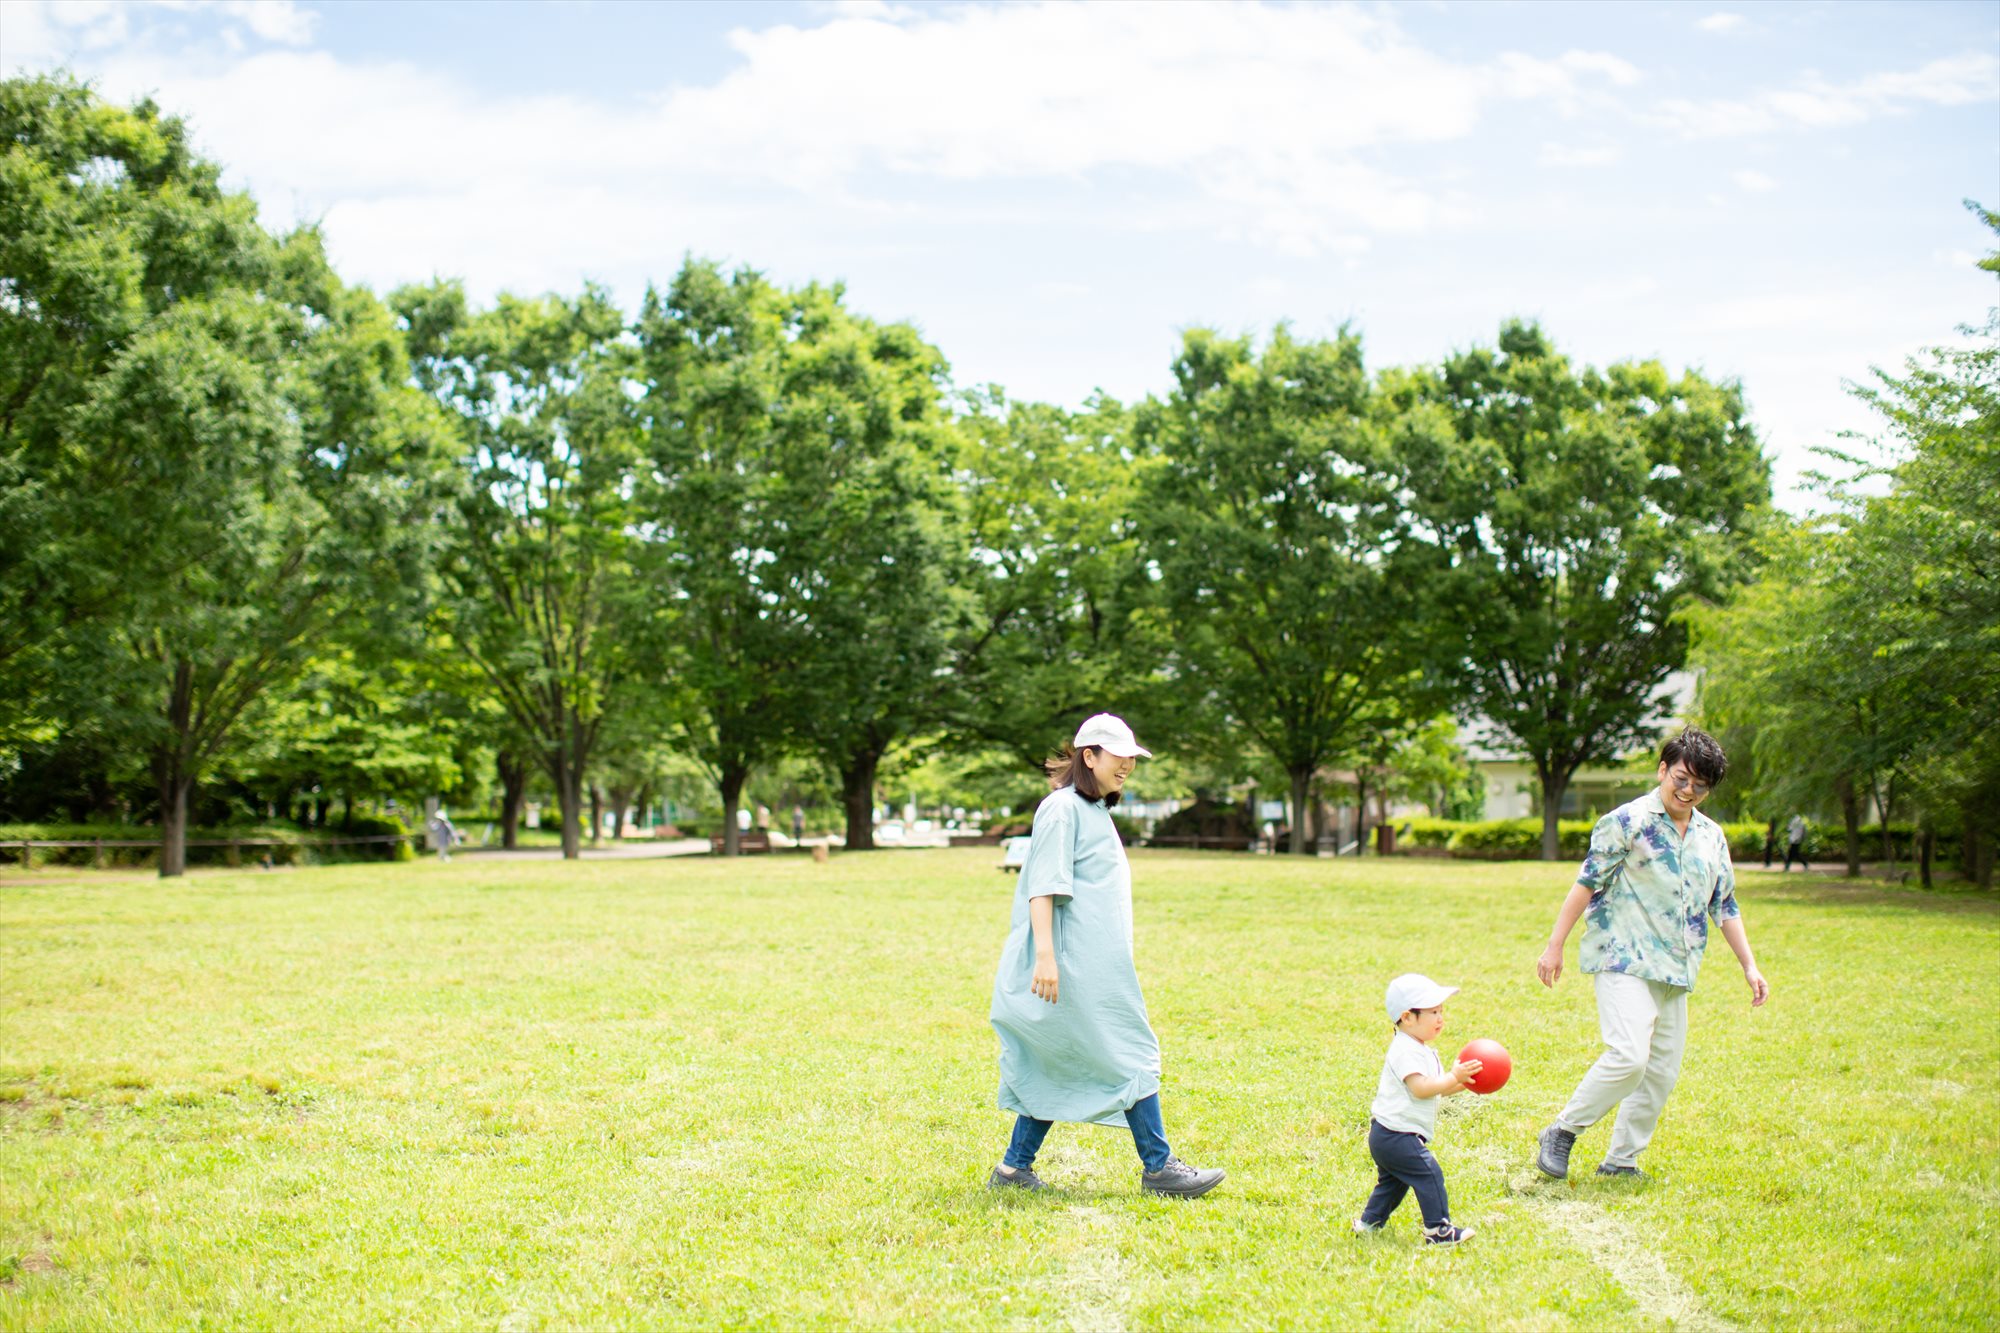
{"type": "Point", "coordinates": [1622, 1172]}
{"type": "Point", "coordinates": [1553, 1158]}
{"type": "Point", "coordinates": [1361, 1228]}
{"type": "Point", "coordinates": [1022, 1179]}
{"type": "Point", "coordinates": [1180, 1180]}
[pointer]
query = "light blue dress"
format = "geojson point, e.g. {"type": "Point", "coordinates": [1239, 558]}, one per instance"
{"type": "Point", "coordinates": [1092, 1054]}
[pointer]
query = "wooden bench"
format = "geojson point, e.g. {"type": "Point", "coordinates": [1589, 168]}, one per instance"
{"type": "Point", "coordinates": [756, 840]}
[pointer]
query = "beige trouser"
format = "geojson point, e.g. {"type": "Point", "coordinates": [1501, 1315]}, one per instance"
{"type": "Point", "coordinates": [1644, 1024]}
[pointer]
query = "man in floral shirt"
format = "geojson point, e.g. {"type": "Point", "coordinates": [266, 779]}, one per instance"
{"type": "Point", "coordinates": [1657, 873]}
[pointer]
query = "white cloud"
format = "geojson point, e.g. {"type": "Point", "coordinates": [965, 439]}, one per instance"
{"type": "Point", "coordinates": [1721, 22]}
{"type": "Point", "coordinates": [39, 34]}
{"type": "Point", "coordinates": [1571, 155]}
{"type": "Point", "coordinates": [1756, 182]}
{"type": "Point", "coordinates": [273, 20]}
{"type": "Point", "coordinates": [1795, 311]}
{"type": "Point", "coordinates": [1814, 103]}
{"type": "Point", "coordinates": [1266, 115]}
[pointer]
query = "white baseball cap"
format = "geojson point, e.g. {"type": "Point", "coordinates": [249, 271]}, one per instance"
{"type": "Point", "coordinates": [1413, 990]}
{"type": "Point", "coordinates": [1108, 732]}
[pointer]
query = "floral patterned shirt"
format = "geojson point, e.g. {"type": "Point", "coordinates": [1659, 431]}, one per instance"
{"type": "Point", "coordinates": [1653, 891]}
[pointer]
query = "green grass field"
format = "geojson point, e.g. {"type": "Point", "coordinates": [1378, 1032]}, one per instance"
{"type": "Point", "coordinates": [657, 1094]}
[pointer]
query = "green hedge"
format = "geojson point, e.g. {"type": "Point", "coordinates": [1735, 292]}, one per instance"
{"type": "Point", "coordinates": [1435, 834]}
{"type": "Point", "coordinates": [1518, 839]}
{"type": "Point", "coordinates": [295, 846]}
{"type": "Point", "coordinates": [1521, 839]}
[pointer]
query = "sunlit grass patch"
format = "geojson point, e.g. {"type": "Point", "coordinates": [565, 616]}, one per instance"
{"type": "Point", "coordinates": [701, 1093]}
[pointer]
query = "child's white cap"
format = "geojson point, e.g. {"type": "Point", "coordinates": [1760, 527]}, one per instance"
{"type": "Point", "coordinates": [1413, 990]}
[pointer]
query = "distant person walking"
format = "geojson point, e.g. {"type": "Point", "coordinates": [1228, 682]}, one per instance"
{"type": "Point", "coordinates": [442, 834]}
{"type": "Point", "coordinates": [1797, 845]}
{"type": "Point", "coordinates": [1075, 1043]}
{"type": "Point", "coordinates": [1770, 841]}
{"type": "Point", "coordinates": [798, 824]}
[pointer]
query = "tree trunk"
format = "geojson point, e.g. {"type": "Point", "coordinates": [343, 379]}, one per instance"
{"type": "Point", "coordinates": [513, 786]}
{"type": "Point", "coordinates": [1360, 812]}
{"type": "Point", "coordinates": [1552, 794]}
{"type": "Point", "coordinates": [621, 803]}
{"type": "Point", "coordinates": [731, 788]}
{"type": "Point", "coordinates": [1885, 800]}
{"type": "Point", "coordinates": [1926, 846]}
{"type": "Point", "coordinates": [1975, 847]}
{"type": "Point", "coordinates": [174, 786]}
{"type": "Point", "coordinates": [596, 815]}
{"type": "Point", "coordinates": [857, 798]}
{"type": "Point", "coordinates": [569, 800]}
{"type": "Point", "coordinates": [1302, 776]}
{"type": "Point", "coordinates": [347, 812]}
{"type": "Point", "coordinates": [170, 771]}
{"type": "Point", "coordinates": [1850, 813]}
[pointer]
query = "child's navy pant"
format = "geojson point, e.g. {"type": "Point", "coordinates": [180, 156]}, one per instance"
{"type": "Point", "coordinates": [1402, 1164]}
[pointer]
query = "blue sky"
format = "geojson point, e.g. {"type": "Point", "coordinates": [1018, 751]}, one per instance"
{"type": "Point", "coordinates": [1053, 191]}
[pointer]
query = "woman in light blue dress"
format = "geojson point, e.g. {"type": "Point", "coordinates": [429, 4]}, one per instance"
{"type": "Point", "coordinates": [1074, 1041]}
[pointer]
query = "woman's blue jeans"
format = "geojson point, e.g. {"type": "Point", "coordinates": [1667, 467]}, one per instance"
{"type": "Point", "coordinates": [1149, 1136]}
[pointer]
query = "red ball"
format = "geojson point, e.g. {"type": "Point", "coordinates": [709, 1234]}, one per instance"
{"type": "Point", "coordinates": [1496, 1066]}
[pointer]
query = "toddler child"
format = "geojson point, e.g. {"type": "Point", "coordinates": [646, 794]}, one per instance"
{"type": "Point", "coordinates": [1404, 1116]}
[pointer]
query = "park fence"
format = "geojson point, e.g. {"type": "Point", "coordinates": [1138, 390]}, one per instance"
{"type": "Point", "coordinates": [232, 847]}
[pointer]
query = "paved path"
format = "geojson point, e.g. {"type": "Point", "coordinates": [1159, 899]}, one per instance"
{"type": "Point", "coordinates": [634, 849]}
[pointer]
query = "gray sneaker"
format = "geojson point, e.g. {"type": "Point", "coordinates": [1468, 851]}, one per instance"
{"type": "Point", "coordinates": [1622, 1172]}
{"type": "Point", "coordinates": [1180, 1180]}
{"type": "Point", "coordinates": [1024, 1178]}
{"type": "Point", "coordinates": [1553, 1159]}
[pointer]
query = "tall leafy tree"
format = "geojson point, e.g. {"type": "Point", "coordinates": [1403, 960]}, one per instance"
{"type": "Point", "coordinates": [1286, 556]}
{"type": "Point", "coordinates": [1789, 665]}
{"type": "Point", "coordinates": [1063, 625]}
{"type": "Point", "coordinates": [117, 244]}
{"type": "Point", "coordinates": [712, 348]}
{"type": "Point", "coordinates": [870, 536]}
{"type": "Point", "coordinates": [217, 456]}
{"type": "Point", "coordinates": [539, 588]}
{"type": "Point", "coordinates": [1582, 511]}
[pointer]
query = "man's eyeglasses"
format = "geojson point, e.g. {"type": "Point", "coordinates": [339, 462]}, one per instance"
{"type": "Point", "coordinates": [1684, 781]}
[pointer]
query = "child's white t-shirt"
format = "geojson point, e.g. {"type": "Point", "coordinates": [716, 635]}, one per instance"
{"type": "Point", "coordinates": [1394, 1107]}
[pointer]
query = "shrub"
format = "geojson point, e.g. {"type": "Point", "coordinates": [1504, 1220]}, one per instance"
{"type": "Point", "coordinates": [1746, 839]}
{"type": "Point", "coordinates": [293, 846]}
{"type": "Point", "coordinates": [1426, 832]}
{"type": "Point", "coordinates": [1902, 835]}
{"type": "Point", "coordinates": [1519, 839]}
{"type": "Point", "coordinates": [366, 826]}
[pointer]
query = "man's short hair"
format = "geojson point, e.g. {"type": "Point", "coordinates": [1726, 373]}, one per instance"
{"type": "Point", "coordinates": [1701, 752]}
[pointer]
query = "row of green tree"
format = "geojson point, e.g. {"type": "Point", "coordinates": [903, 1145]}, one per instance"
{"type": "Point", "coordinates": [1860, 671]}
{"type": "Point", "coordinates": [256, 521]}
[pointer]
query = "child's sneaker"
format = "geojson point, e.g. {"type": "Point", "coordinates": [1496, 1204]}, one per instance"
{"type": "Point", "coordinates": [1024, 1178]}
{"type": "Point", "coordinates": [1447, 1234]}
{"type": "Point", "coordinates": [1362, 1228]}
{"type": "Point", "coordinates": [1622, 1172]}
